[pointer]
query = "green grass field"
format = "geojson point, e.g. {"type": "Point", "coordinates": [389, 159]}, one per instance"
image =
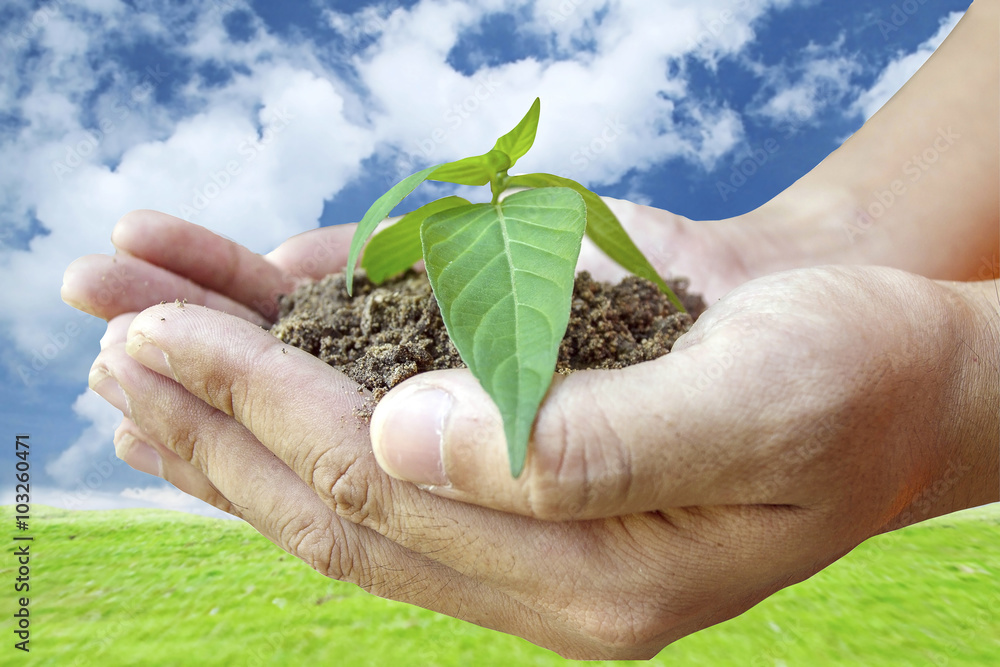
{"type": "Point", "coordinates": [144, 587]}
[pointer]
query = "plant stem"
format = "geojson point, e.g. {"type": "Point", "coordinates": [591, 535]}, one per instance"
{"type": "Point", "coordinates": [498, 183]}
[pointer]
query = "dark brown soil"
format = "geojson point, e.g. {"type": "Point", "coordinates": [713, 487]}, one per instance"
{"type": "Point", "coordinates": [390, 332]}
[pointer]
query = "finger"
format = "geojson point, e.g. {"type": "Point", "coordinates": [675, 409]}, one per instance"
{"type": "Point", "coordinates": [141, 452]}
{"type": "Point", "coordinates": [604, 444]}
{"type": "Point", "coordinates": [561, 572]}
{"type": "Point", "coordinates": [315, 253]}
{"type": "Point", "coordinates": [306, 414]}
{"type": "Point", "coordinates": [279, 504]}
{"type": "Point", "coordinates": [204, 258]}
{"type": "Point", "coordinates": [117, 329]}
{"type": "Point", "coordinates": [108, 286]}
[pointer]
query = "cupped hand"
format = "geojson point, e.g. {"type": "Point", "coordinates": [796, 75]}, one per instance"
{"type": "Point", "coordinates": [715, 256]}
{"type": "Point", "coordinates": [804, 413]}
{"type": "Point", "coordinates": [162, 258]}
{"type": "Point", "coordinates": [229, 414]}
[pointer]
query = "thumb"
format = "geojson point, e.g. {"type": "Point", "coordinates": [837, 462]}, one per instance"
{"type": "Point", "coordinates": [605, 443]}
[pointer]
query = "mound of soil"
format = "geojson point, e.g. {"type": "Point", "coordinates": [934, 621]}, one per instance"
{"type": "Point", "coordinates": [390, 332]}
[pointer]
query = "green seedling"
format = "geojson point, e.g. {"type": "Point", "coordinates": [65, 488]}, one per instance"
{"type": "Point", "coordinates": [503, 272]}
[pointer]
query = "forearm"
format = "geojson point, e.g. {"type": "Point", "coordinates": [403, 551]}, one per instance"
{"type": "Point", "coordinates": [916, 187]}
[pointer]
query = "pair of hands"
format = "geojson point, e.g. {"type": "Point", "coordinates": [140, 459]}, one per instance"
{"type": "Point", "coordinates": [805, 412]}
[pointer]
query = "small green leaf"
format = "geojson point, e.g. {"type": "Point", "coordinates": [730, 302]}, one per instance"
{"type": "Point", "coordinates": [377, 213]}
{"type": "Point", "coordinates": [503, 276]}
{"type": "Point", "coordinates": [477, 170]}
{"type": "Point", "coordinates": [518, 141]}
{"type": "Point", "coordinates": [604, 229]}
{"type": "Point", "coordinates": [397, 248]}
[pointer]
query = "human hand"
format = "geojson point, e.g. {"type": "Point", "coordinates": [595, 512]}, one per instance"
{"type": "Point", "coordinates": [675, 511]}
{"type": "Point", "coordinates": [162, 258]}
{"type": "Point", "coordinates": [715, 256]}
{"type": "Point", "coordinates": [803, 413]}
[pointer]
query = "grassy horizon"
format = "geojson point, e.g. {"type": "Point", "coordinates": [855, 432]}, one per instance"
{"type": "Point", "coordinates": [155, 587]}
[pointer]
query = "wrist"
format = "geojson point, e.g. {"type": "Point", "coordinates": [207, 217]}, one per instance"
{"type": "Point", "coordinates": [806, 225]}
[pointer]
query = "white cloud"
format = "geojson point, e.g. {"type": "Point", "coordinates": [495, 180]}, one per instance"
{"type": "Point", "coordinates": [901, 69]}
{"type": "Point", "coordinates": [91, 457]}
{"type": "Point", "coordinates": [814, 80]}
{"type": "Point", "coordinates": [254, 161]}
{"type": "Point", "coordinates": [608, 66]}
{"type": "Point", "coordinates": [91, 154]}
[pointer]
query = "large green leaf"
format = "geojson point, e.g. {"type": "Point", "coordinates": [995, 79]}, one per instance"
{"type": "Point", "coordinates": [377, 213]}
{"type": "Point", "coordinates": [604, 229]}
{"type": "Point", "coordinates": [518, 141]}
{"type": "Point", "coordinates": [477, 170]}
{"type": "Point", "coordinates": [397, 248]}
{"type": "Point", "coordinates": [503, 277]}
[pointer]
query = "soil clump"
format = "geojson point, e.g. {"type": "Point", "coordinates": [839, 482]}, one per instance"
{"type": "Point", "coordinates": [390, 332]}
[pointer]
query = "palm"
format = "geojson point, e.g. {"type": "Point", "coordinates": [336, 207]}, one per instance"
{"type": "Point", "coordinates": [707, 253]}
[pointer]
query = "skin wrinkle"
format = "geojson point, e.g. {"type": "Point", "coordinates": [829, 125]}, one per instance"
{"type": "Point", "coordinates": [324, 473]}
{"type": "Point", "coordinates": [586, 505]}
{"type": "Point", "coordinates": [294, 538]}
{"type": "Point", "coordinates": [537, 497]}
{"type": "Point", "coordinates": [300, 536]}
{"type": "Point", "coordinates": [592, 449]}
{"type": "Point", "coordinates": [355, 502]}
{"type": "Point", "coordinates": [346, 504]}
{"type": "Point", "coordinates": [230, 270]}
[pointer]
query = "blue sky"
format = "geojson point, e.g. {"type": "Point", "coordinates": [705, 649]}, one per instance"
{"type": "Point", "coordinates": [109, 106]}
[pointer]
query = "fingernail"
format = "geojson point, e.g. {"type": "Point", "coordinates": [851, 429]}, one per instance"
{"type": "Point", "coordinates": [142, 350]}
{"type": "Point", "coordinates": [410, 438]}
{"type": "Point", "coordinates": [143, 458]}
{"type": "Point", "coordinates": [71, 291]}
{"type": "Point", "coordinates": [109, 389]}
